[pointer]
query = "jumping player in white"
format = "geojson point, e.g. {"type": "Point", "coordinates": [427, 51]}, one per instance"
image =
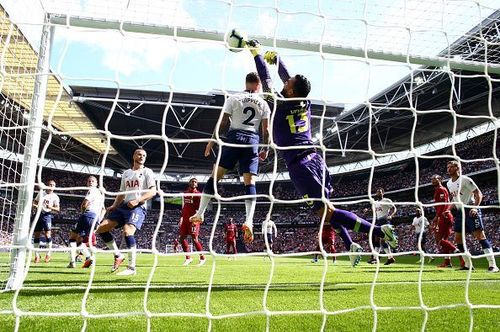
{"type": "Point", "coordinates": [247, 111]}
{"type": "Point", "coordinates": [129, 210]}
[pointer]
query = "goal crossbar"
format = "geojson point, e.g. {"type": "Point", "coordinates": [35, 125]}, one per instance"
{"type": "Point", "coordinates": [201, 34]}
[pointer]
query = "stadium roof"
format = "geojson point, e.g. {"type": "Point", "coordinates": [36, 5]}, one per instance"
{"type": "Point", "coordinates": [19, 66]}
{"type": "Point", "coordinates": [190, 120]}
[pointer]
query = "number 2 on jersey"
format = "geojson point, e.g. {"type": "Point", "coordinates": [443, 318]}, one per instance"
{"type": "Point", "coordinates": [250, 118]}
{"type": "Point", "coordinates": [294, 128]}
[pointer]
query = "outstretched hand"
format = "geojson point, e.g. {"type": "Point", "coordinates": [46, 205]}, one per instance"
{"type": "Point", "coordinates": [271, 57]}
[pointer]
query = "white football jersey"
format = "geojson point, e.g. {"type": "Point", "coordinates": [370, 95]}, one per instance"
{"type": "Point", "coordinates": [246, 111]}
{"type": "Point", "coordinates": [138, 180]}
{"type": "Point", "coordinates": [96, 200]}
{"type": "Point", "coordinates": [382, 208]}
{"type": "Point", "coordinates": [419, 222]}
{"type": "Point", "coordinates": [48, 200]}
{"type": "Point", "coordinates": [269, 226]}
{"type": "Point", "coordinates": [462, 189]}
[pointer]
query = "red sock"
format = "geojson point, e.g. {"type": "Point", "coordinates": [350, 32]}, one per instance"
{"type": "Point", "coordinates": [185, 247]}
{"type": "Point", "coordinates": [199, 247]}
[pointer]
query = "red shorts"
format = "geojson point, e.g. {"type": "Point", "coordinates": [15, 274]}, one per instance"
{"type": "Point", "coordinates": [445, 224]}
{"type": "Point", "coordinates": [230, 240]}
{"type": "Point", "coordinates": [188, 228]}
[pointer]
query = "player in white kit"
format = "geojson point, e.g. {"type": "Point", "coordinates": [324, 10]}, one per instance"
{"type": "Point", "coordinates": [129, 210]}
{"type": "Point", "coordinates": [270, 231]}
{"type": "Point", "coordinates": [50, 206]}
{"type": "Point", "coordinates": [384, 211]}
{"type": "Point", "coordinates": [420, 224]}
{"type": "Point", "coordinates": [464, 191]}
{"type": "Point", "coordinates": [247, 112]}
{"type": "Point", "coordinates": [92, 209]}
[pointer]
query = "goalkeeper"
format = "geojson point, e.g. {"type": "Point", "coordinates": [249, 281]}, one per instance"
{"type": "Point", "coordinates": [307, 169]}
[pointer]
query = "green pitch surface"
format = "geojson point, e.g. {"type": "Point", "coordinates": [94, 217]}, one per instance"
{"type": "Point", "coordinates": [179, 300]}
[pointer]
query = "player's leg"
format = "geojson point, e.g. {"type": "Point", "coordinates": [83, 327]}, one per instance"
{"type": "Point", "coordinates": [72, 248]}
{"type": "Point", "coordinates": [311, 179]}
{"type": "Point", "coordinates": [197, 244]}
{"type": "Point", "coordinates": [233, 243]}
{"type": "Point", "coordinates": [460, 236]}
{"type": "Point", "coordinates": [387, 249]}
{"type": "Point", "coordinates": [208, 192]}
{"type": "Point", "coordinates": [228, 247]}
{"type": "Point", "coordinates": [36, 241]}
{"type": "Point", "coordinates": [87, 237]}
{"type": "Point", "coordinates": [104, 230]}
{"type": "Point", "coordinates": [134, 220]}
{"type": "Point", "coordinates": [48, 240]}
{"type": "Point", "coordinates": [185, 246]}
{"type": "Point", "coordinates": [129, 234]}
{"type": "Point", "coordinates": [249, 181]}
{"type": "Point", "coordinates": [487, 249]}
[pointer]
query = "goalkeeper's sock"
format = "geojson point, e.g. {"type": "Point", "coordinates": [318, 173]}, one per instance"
{"type": "Point", "coordinates": [250, 203]}
{"type": "Point", "coordinates": [352, 221]}
{"type": "Point", "coordinates": [344, 235]}
{"type": "Point", "coordinates": [72, 251]}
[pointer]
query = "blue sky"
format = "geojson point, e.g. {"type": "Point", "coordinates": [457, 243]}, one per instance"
{"type": "Point", "coordinates": [91, 57]}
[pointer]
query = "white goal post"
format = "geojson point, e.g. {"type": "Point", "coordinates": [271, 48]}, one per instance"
{"type": "Point", "coordinates": [179, 32]}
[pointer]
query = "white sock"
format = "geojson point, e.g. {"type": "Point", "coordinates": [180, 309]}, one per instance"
{"type": "Point", "coordinates": [37, 245]}
{"type": "Point", "coordinates": [72, 251]}
{"type": "Point", "coordinates": [112, 246]}
{"type": "Point", "coordinates": [490, 257]}
{"type": "Point", "coordinates": [205, 199]}
{"type": "Point", "coordinates": [49, 245]}
{"type": "Point", "coordinates": [131, 257]}
{"type": "Point", "coordinates": [387, 250]}
{"type": "Point", "coordinates": [85, 251]}
{"type": "Point", "coordinates": [250, 210]}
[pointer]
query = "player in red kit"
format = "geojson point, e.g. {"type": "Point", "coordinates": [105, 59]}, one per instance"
{"type": "Point", "coordinates": [231, 231]}
{"type": "Point", "coordinates": [443, 221]}
{"type": "Point", "coordinates": [328, 241]}
{"type": "Point", "coordinates": [190, 204]}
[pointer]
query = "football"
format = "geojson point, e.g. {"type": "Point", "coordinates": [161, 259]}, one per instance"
{"type": "Point", "coordinates": [236, 40]}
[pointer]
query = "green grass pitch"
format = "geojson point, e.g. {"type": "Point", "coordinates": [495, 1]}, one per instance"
{"type": "Point", "coordinates": [238, 287]}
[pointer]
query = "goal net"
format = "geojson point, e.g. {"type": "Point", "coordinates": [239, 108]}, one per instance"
{"type": "Point", "coordinates": [399, 89]}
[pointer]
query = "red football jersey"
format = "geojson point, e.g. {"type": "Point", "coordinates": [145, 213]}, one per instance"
{"type": "Point", "coordinates": [231, 231]}
{"type": "Point", "coordinates": [441, 195]}
{"type": "Point", "coordinates": [328, 232]}
{"type": "Point", "coordinates": [190, 204]}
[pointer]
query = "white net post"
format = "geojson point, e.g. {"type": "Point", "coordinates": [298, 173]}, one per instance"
{"type": "Point", "coordinates": [21, 240]}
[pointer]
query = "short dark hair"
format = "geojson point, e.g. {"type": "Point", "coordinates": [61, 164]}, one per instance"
{"type": "Point", "coordinates": [252, 77]}
{"type": "Point", "coordinates": [302, 86]}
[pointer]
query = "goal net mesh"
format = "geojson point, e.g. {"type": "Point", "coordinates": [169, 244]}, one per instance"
{"type": "Point", "coordinates": [352, 51]}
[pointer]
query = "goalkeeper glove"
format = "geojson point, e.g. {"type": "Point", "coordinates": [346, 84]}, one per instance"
{"type": "Point", "coordinates": [254, 46]}
{"type": "Point", "coordinates": [271, 57]}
